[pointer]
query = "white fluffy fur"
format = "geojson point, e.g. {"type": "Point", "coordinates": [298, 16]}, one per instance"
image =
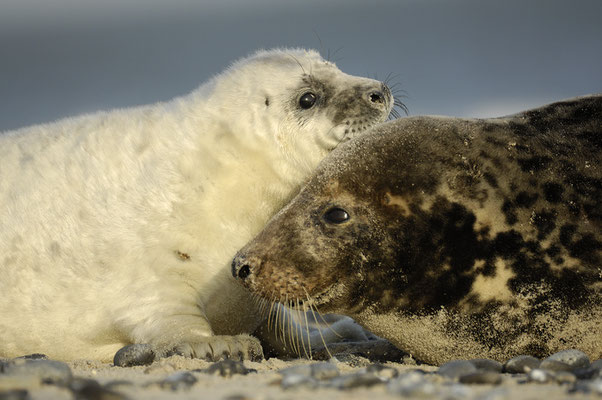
{"type": "Point", "coordinates": [94, 210]}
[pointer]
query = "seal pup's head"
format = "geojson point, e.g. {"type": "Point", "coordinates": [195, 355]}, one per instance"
{"type": "Point", "coordinates": [295, 100]}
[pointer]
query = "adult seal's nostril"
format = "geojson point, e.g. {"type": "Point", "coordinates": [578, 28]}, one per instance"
{"type": "Point", "coordinates": [244, 272]}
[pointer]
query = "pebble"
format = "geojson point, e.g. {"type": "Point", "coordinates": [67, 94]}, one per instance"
{"type": "Point", "coordinates": [319, 371]}
{"type": "Point", "coordinates": [594, 386]}
{"type": "Point", "coordinates": [521, 364]}
{"type": "Point", "coordinates": [484, 364]}
{"type": "Point", "coordinates": [412, 383]}
{"type": "Point", "coordinates": [574, 358]}
{"type": "Point", "coordinates": [540, 376]}
{"type": "Point", "coordinates": [482, 377]}
{"type": "Point", "coordinates": [228, 368]}
{"type": "Point", "coordinates": [46, 371]}
{"type": "Point", "coordinates": [178, 381]}
{"type": "Point", "coordinates": [134, 354]}
{"type": "Point", "coordinates": [90, 389]}
{"type": "Point", "coordinates": [294, 380]}
{"type": "Point", "coordinates": [356, 380]}
{"type": "Point", "coordinates": [16, 394]}
{"type": "Point", "coordinates": [382, 371]}
{"type": "Point", "coordinates": [553, 365]}
{"type": "Point", "coordinates": [597, 365]}
{"type": "Point", "coordinates": [456, 368]}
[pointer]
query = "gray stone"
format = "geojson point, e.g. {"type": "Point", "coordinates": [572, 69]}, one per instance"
{"type": "Point", "coordinates": [228, 368]}
{"type": "Point", "coordinates": [565, 377]}
{"type": "Point", "coordinates": [482, 377]}
{"type": "Point", "coordinates": [15, 394]}
{"type": "Point", "coordinates": [484, 364]}
{"type": "Point", "coordinates": [382, 371]}
{"type": "Point", "coordinates": [47, 371]}
{"type": "Point", "coordinates": [178, 381]}
{"type": "Point", "coordinates": [597, 365]}
{"type": "Point", "coordinates": [593, 386]}
{"type": "Point", "coordinates": [319, 371]}
{"type": "Point", "coordinates": [324, 370]}
{"type": "Point", "coordinates": [540, 376]}
{"type": "Point", "coordinates": [521, 364]}
{"type": "Point", "coordinates": [412, 383]}
{"type": "Point", "coordinates": [134, 354]}
{"type": "Point", "coordinates": [298, 380]}
{"type": "Point", "coordinates": [356, 380]}
{"type": "Point", "coordinates": [90, 389]}
{"type": "Point", "coordinates": [574, 358]}
{"type": "Point", "coordinates": [457, 368]}
{"type": "Point", "coordinates": [553, 365]}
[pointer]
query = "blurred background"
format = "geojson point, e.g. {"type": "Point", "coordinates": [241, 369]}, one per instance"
{"type": "Point", "coordinates": [469, 58]}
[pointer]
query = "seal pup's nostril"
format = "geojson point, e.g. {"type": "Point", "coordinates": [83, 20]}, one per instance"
{"type": "Point", "coordinates": [244, 272]}
{"type": "Point", "coordinates": [377, 97]}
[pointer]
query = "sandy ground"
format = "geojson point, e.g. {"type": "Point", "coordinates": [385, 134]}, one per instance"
{"type": "Point", "coordinates": [141, 383]}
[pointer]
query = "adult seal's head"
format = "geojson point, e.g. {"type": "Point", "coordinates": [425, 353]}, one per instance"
{"type": "Point", "coordinates": [452, 238]}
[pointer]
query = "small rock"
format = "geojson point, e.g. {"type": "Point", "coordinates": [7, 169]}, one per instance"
{"type": "Point", "coordinates": [87, 389]}
{"type": "Point", "coordinates": [457, 368]}
{"type": "Point", "coordinates": [482, 377]}
{"type": "Point", "coordinates": [484, 364]}
{"type": "Point", "coordinates": [46, 371]}
{"type": "Point", "coordinates": [553, 365]}
{"type": "Point", "coordinates": [412, 384]}
{"type": "Point", "coordinates": [574, 358]}
{"type": "Point", "coordinates": [540, 376]}
{"type": "Point", "coordinates": [521, 364]}
{"type": "Point", "coordinates": [297, 380]}
{"type": "Point", "coordinates": [228, 368]}
{"type": "Point", "coordinates": [324, 370]}
{"type": "Point", "coordinates": [594, 386]}
{"type": "Point", "coordinates": [382, 371]}
{"type": "Point", "coordinates": [355, 380]}
{"type": "Point", "coordinates": [16, 394]}
{"type": "Point", "coordinates": [320, 370]}
{"type": "Point", "coordinates": [563, 377]}
{"type": "Point", "coordinates": [178, 381]}
{"type": "Point", "coordinates": [597, 365]}
{"type": "Point", "coordinates": [134, 354]}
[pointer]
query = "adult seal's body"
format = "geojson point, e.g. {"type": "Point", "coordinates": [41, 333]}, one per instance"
{"type": "Point", "coordinates": [452, 238]}
{"type": "Point", "coordinates": [119, 227]}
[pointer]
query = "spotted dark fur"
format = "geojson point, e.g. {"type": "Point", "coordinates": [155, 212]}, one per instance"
{"type": "Point", "coordinates": [437, 207]}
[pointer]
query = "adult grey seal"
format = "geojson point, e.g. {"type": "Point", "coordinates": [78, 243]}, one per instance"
{"type": "Point", "coordinates": [119, 227]}
{"type": "Point", "coordinates": [452, 238]}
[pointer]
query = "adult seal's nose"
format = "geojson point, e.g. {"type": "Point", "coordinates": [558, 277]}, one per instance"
{"type": "Point", "coordinates": [241, 269]}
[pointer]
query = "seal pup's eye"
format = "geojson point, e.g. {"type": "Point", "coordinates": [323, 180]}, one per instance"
{"type": "Point", "coordinates": [307, 100]}
{"type": "Point", "coordinates": [336, 215]}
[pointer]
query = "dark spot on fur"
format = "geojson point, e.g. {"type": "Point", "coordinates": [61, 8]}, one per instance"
{"type": "Point", "coordinates": [525, 200]}
{"type": "Point", "coordinates": [534, 163]}
{"type": "Point", "coordinates": [545, 222]}
{"type": "Point", "coordinates": [509, 212]}
{"type": "Point", "coordinates": [490, 179]}
{"type": "Point", "coordinates": [267, 102]}
{"type": "Point", "coordinates": [553, 192]}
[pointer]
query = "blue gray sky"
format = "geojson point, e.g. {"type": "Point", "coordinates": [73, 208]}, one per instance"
{"type": "Point", "coordinates": [471, 58]}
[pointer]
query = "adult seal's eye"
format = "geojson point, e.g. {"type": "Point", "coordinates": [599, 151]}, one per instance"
{"type": "Point", "coordinates": [307, 100]}
{"type": "Point", "coordinates": [336, 215]}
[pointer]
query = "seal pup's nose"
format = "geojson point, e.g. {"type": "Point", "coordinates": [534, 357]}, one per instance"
{"type": "Point", "coordinates": [377, 97]}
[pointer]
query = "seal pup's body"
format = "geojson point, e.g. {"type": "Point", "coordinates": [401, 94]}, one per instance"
{"type": "Point", "coordinates": [119, 227]}
{"type": "Point", "coordinates": [452, 238]}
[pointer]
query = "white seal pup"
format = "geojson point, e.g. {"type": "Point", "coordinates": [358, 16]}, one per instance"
{"type": "Point", "coordinates": [119, 227]}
